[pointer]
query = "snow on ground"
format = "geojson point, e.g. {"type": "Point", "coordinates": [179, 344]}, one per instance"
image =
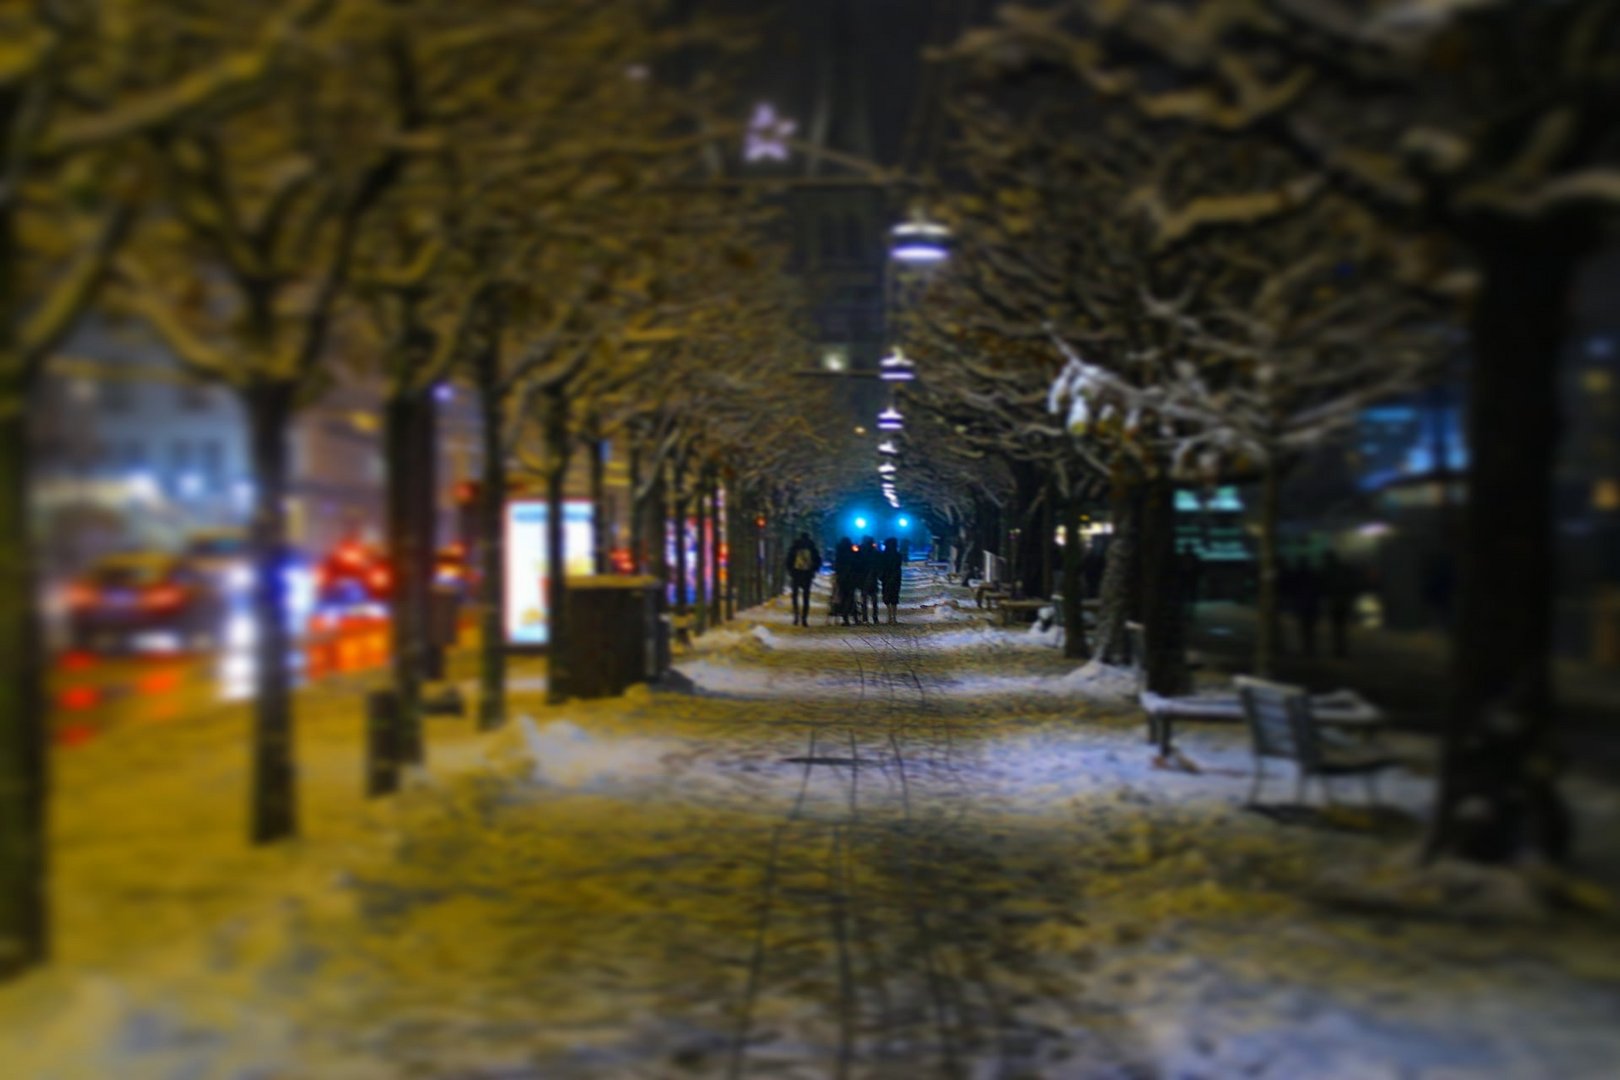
{"type": "Point", "coordinates": [887, 877]}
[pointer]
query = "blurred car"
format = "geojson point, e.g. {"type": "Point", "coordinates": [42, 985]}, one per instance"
{"type": "Point", "coordinates": [125, 597]}
{"type": "Point", "coordinates": [353, 575]}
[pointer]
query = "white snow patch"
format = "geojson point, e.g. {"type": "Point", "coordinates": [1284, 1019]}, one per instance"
{"type": "Point", "coordinates": [566, 755]}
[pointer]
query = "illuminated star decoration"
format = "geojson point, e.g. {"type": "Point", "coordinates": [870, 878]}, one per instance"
{"type": "Point", "coordinates": [768, 134]}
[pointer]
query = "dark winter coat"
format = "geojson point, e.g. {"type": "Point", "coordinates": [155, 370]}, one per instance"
{"type": "Point", "coordinates": [792, 560]}
{"type": "Point", "coordinates": [866, 570]}
{"type": "Point", "coordinates": [889, 567]}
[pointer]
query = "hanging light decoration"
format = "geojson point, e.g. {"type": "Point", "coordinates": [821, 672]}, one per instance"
{"type": "Point", "coordinates": [887, 447]}
{"type": "Point", "coordinates": [919, 241]}
{"type": "Point", "coordinates": [887, 468]}
{"type": "Point", "coordinates": [890, 419]}
{"type": "Point", "coordinates": [897, 367]}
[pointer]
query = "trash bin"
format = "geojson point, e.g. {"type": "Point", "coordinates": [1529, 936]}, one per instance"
{"type": "Point", "coordinates": [613, 636]}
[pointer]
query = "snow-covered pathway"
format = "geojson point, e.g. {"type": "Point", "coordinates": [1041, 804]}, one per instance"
{"type": "Point", "coordinates": [874, 851]}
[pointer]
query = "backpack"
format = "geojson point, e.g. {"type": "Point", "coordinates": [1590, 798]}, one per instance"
{"type": "Point", "coordinates": [802, 560]}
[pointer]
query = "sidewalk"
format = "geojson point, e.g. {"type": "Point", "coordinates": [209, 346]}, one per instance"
{"type": "Point", "coordinates": [872, 852]}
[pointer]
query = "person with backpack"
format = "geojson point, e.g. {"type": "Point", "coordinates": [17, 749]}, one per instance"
{"type": "Point", "coordinates": [803, 560]}
{"type": "Point", "coordinates": [890, 564]}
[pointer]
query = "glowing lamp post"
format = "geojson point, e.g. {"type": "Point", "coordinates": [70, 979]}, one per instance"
{"type": "Point", "coordinates": [897, 368]}
{"type": "Point", "coordinates": [919, 242]}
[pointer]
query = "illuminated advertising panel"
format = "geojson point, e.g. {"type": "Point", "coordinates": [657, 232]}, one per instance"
{"type": "Point", "coordinates": [528, 565]}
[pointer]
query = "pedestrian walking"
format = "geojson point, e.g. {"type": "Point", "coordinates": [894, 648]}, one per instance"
{"type": "Point", "coordinates": [803, 560]}
{"type": "Point", "coordinates": [845, 582]}
{"type": "Point", "coordinates": [890, 566]}
{"type": "Point", "coordinates": [1341, 584]}
{"type": "Point", "coordinates": [868, 570]}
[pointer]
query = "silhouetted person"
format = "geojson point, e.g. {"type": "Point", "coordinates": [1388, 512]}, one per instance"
{"type": "Point", "coordinates": [1341, 585]}
{"type": "Point", "coordinates": [803, 560]}
{"type": "Point", "coordinates": [1305, 588]}
{"type": "Point", "coordinates": [867, 568]}
{"type": "Point", "coordinates": [845, 582]}
{"type": "Point", "coordinates": [890, 564]}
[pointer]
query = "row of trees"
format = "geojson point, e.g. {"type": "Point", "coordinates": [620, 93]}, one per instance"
{"type": "Point", "coordinates": [292, 192]}
{"type": "Point", "coordinates": [1216, 231]}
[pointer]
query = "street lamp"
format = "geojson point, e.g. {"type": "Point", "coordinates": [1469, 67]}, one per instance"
{"type": "Point", "coordinates": [919, 241]}
{"type": "Point", "coordinates": [897, 367]}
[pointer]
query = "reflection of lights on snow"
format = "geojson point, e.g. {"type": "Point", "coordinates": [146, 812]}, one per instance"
{"type": "Point", "coordinates": [768, 134]}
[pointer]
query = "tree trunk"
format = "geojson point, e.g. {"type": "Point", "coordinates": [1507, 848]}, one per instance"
{"type": "Point", "coordinates": [405, 417]}
{"type": "Point", "coordinates": [491, 551]}
{"type": "Point", "coordinates": [1498, 797]}
{"type": "Point", "coordinates": [1074, 617]}
{"type": "Point", "coordinates": [717, 585]}
{"type": "Point", "coordinates": [1164, 625]}
{"type": "Point", "coordinates": [1269, 621]}
{"type": "Point", "coordinates": [700, 571]}
{"type": "Point", "coordinates": [274, 808]}
{"type": "Point", "coordinates": [558, 447]}
{"type": "Point", "coordinates": [24, 772]}
{"type": "Point", "coordinates": [1118, 599]}
{"type": "Point", "coordinates": [638, 512]}
{"type": "Point", "coordinates": [599, 517]}
{"type": "Point", "coordinates": [678, 508]}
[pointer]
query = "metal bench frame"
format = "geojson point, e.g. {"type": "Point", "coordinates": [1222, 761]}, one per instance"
{"type": "Point", "coordinates": [1281, 726]}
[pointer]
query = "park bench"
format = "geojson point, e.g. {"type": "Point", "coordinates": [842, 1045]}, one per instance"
{"type": "Point", "coordinates": [1013, 610]}
{"type": "Point", "coordinates": [1344, 710]}
{"type": "Point", "coordinates": [1283, 724]}
{"type": "Point", "coordinates": [989, 595]}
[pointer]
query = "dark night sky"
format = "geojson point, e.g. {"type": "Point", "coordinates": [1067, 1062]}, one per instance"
{"type": "Point", "coordinates": [854, 57]}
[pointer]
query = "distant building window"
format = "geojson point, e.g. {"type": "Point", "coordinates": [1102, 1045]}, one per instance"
{"type": "Point", "coordinates": [194, 398]}
{"type": "Point", "coordinates": [117, 396]}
